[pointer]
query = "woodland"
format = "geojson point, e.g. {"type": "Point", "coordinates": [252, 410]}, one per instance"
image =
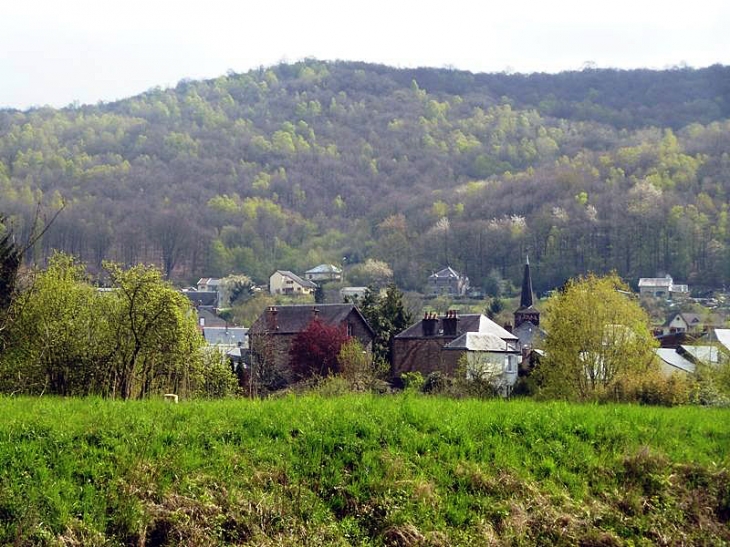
{"type": "Point", "coordinates": [290, 166]}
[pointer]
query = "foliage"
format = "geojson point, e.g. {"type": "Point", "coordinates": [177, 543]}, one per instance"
{"type": "Point", "coordinates": [596, 335]}
{"type": "Point", "coordinates": [589, 171]}
{"type": "Point", "coordinates": [387, 315]}
{"type": "Point", "coordinates": [315, 350]}
{"type": "Point", "coordinates": [360, 470]}
{"type": "Point", "coordinates": [134, 340]}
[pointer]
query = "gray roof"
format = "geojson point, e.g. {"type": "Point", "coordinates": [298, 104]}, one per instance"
{"type": "Point", "coordinates": [704, 354]}
{"type": "Point", "coordinates": [528, 333]}
{"type": "Point", "coordinates": [324, 269]}
{"type": "Point", "coordinates": [723, 336]}
{"type": "Point", "coordinates": [480, 341]}
{"type": "Point", "coordinates": [295, 318]}
{"type": "Point", "coordinates": [223, 336]}
{"type": "Point", "coordinates": [202, 298]}
{"type": "Point", "coordinates": [674, 359]}
{"type": "Point", "coordinates": [471, 322]}
{"type": "Point", "coordinates": [447, 272]}
{"type": "Point", "coordinates": [295, 277]}
{"type": "Point", "coordinates": [688, 317]}
{"type": "Point", "coordinates": [655, 281]}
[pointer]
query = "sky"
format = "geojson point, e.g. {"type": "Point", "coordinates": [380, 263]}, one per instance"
{"type": "Point", "coordinates": [57, 53]}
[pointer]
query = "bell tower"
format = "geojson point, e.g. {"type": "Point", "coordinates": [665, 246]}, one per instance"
{"type": "Point", "coordinates": [527, 311]}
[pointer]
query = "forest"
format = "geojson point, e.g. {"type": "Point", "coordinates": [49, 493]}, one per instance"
{"type": "Point", "coordinates": [290, 166]}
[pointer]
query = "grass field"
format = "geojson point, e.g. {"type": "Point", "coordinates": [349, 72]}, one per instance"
{"type": "Point", "coordinates": [361, 470]}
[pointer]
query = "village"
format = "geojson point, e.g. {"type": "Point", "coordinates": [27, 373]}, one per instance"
{"type": "Point", "coordinates": [505, 347]}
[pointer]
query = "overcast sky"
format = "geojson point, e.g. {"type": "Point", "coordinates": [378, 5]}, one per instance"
{"type": "Point", "coordinates": [55, 52]}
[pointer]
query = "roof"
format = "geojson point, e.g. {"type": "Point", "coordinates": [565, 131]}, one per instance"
{"type": "Point", "coordinates": [202, 298]}
{"type": "Point", "coordinates": [674, 359]}
{"type": "Point", "coordinates": [687, 317]}
{"type": "Point", "coordinates": [480, 341]}
{"type": "Point", "coordinates": [446, 273]}
{"type": "Point", "coordinates": [295, 277]}
{"type": "Point", "coordinates": [324, 269]}
{"type": "Point", "coordinates": [295, 318]}
{"type": "Point", "coordinates": [230, 336]}
{"type": "Point", "coordinates": [723, 337]}
{"type": "Point", "coordinates": [703, 354]}
{"type": "Point", "coordinates": [656, 281]}
{"type": "Point", "coordinates": [528, 333]}
{"type": "Point", "coordinates": [473, 322]}
{"type": "Point", "coordinates": [209, 281]}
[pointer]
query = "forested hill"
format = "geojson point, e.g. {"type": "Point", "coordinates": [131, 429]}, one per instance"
{"type": "Point", "coordinates": [299, 164]}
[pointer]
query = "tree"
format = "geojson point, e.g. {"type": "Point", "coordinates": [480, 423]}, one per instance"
{"type": "Point", "coordinates": [155, 334]}
{"type": "Point", "coordinates": [56, 340]}
{"type": "Point", "coordinates": [387, 316]}
{"type": "Point", "coordinates": [315, 350]}
{"type": "Point", "coordinates": [596, 334]}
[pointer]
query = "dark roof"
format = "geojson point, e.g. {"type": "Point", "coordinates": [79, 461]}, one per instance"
{"type": "Point", "coordinates": [472, 322]}
{"type": "Point", "coordinates": [202, 298]}
{"type": "Point", "coordinates": [528, 333]}
{"type": "Point", "coordinates": [688, 317]}
{"type": "Point", "coordinates": [295, 318]}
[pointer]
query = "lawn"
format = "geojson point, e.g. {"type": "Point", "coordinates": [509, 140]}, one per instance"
{"type": "Point", "coordinates": [361, 470]}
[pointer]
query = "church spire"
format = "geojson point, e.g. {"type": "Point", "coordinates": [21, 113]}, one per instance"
{"type": "Point", "coordinates": [526, 311]}
{"type": "Point", "coordinates": [526, 299]}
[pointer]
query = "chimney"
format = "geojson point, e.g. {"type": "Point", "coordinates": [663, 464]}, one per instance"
{"type": "Point", "coordinates": [271, 318]}
{"type": "Point", "coordinates": [508, 327]}
{"type": "Point", "coordinates": [451, 323]}
{"type": "Point", "coordinates": [428, 325]}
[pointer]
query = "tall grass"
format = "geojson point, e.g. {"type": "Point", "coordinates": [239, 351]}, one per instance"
{"type": "Point", "coordinates": [360, 469]}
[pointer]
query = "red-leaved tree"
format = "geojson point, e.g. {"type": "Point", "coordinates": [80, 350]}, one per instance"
{"type": "Point", "coordinates": [314, 350]}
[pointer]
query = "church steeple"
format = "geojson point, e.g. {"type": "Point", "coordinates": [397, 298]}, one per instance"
{"type": "Point", "coordinates": [526, 297]}
{"type": "Point", "coordinates": [526, 311]}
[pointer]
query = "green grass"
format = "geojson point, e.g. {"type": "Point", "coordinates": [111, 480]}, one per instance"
{"type": "Point", "coordinates": [361, 470]}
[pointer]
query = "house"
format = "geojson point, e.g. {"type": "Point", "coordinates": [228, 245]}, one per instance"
{"type": "Point", "coordinates": [232, 342]}
{"type": "Point", "coordinates": [208, 284]}
{"type": "Point", "coordinates": [661, 287]}
{"type": "Point", "coordinates": [448, 282]}
{"type": "Point", "coordinates": [324, 272]}
{"type": "Point", "coordinates": [272, 334]}
{"type": "Point", "coordinates": [438, 343]}
{"type": "Point", "coordinates": [683, 322]}
{"type": "Point", "coordinates": [286, 282]}
{"type": "Point", "coordinates": [349, 293]}
{"type": "Point", "coordinates": [487, 357]}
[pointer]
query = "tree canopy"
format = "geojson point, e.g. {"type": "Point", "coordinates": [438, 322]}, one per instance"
{"type": "Point", "coordinates": [596, 334]}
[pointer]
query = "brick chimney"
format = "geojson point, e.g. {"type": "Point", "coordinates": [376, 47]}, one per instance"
{"type": "Point", "coordinates": [428, 325]}
{"type": "Point", "coordinates": [271, 318]}
{"type": "Point", "coordinates": [451, 323]}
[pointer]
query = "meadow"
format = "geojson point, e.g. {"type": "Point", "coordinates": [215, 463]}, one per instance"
{"type": "Point", "coordinates": [361, 470]}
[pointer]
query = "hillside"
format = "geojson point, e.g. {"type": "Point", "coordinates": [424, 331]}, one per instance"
{"type": "Point", "coordinates": [294, 165]}
{"type": "Point", "coordinates": [361, 470]}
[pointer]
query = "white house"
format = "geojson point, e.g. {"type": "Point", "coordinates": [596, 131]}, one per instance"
{"type": "Point", "coordinates": [324, 272]}
{"type": "Point", "coordinates": [286, 282]}
{"type": "Point", "coordinates": [489, 357]}
{"type": "Point", "coordinates": [661, 287]}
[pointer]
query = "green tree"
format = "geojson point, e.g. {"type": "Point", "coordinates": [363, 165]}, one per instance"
{"type": "Point", "coordinates": [155, 337]}
{"type": "Point", "coordinates": [597, 334]}
{"type": "Point", "coordinates": [56, 340]}
{"type": "Point", "coordinates": [387, 315]}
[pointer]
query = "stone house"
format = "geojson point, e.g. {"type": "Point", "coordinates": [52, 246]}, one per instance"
{"type": "Point", "coordinates": [272, 334]}
{"type": "Point", "coordinates": [324, 272]}
{"type": "Point", "coordinates": [448, 282]}
{"type": "Point", "coordinates": [438, 343]}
